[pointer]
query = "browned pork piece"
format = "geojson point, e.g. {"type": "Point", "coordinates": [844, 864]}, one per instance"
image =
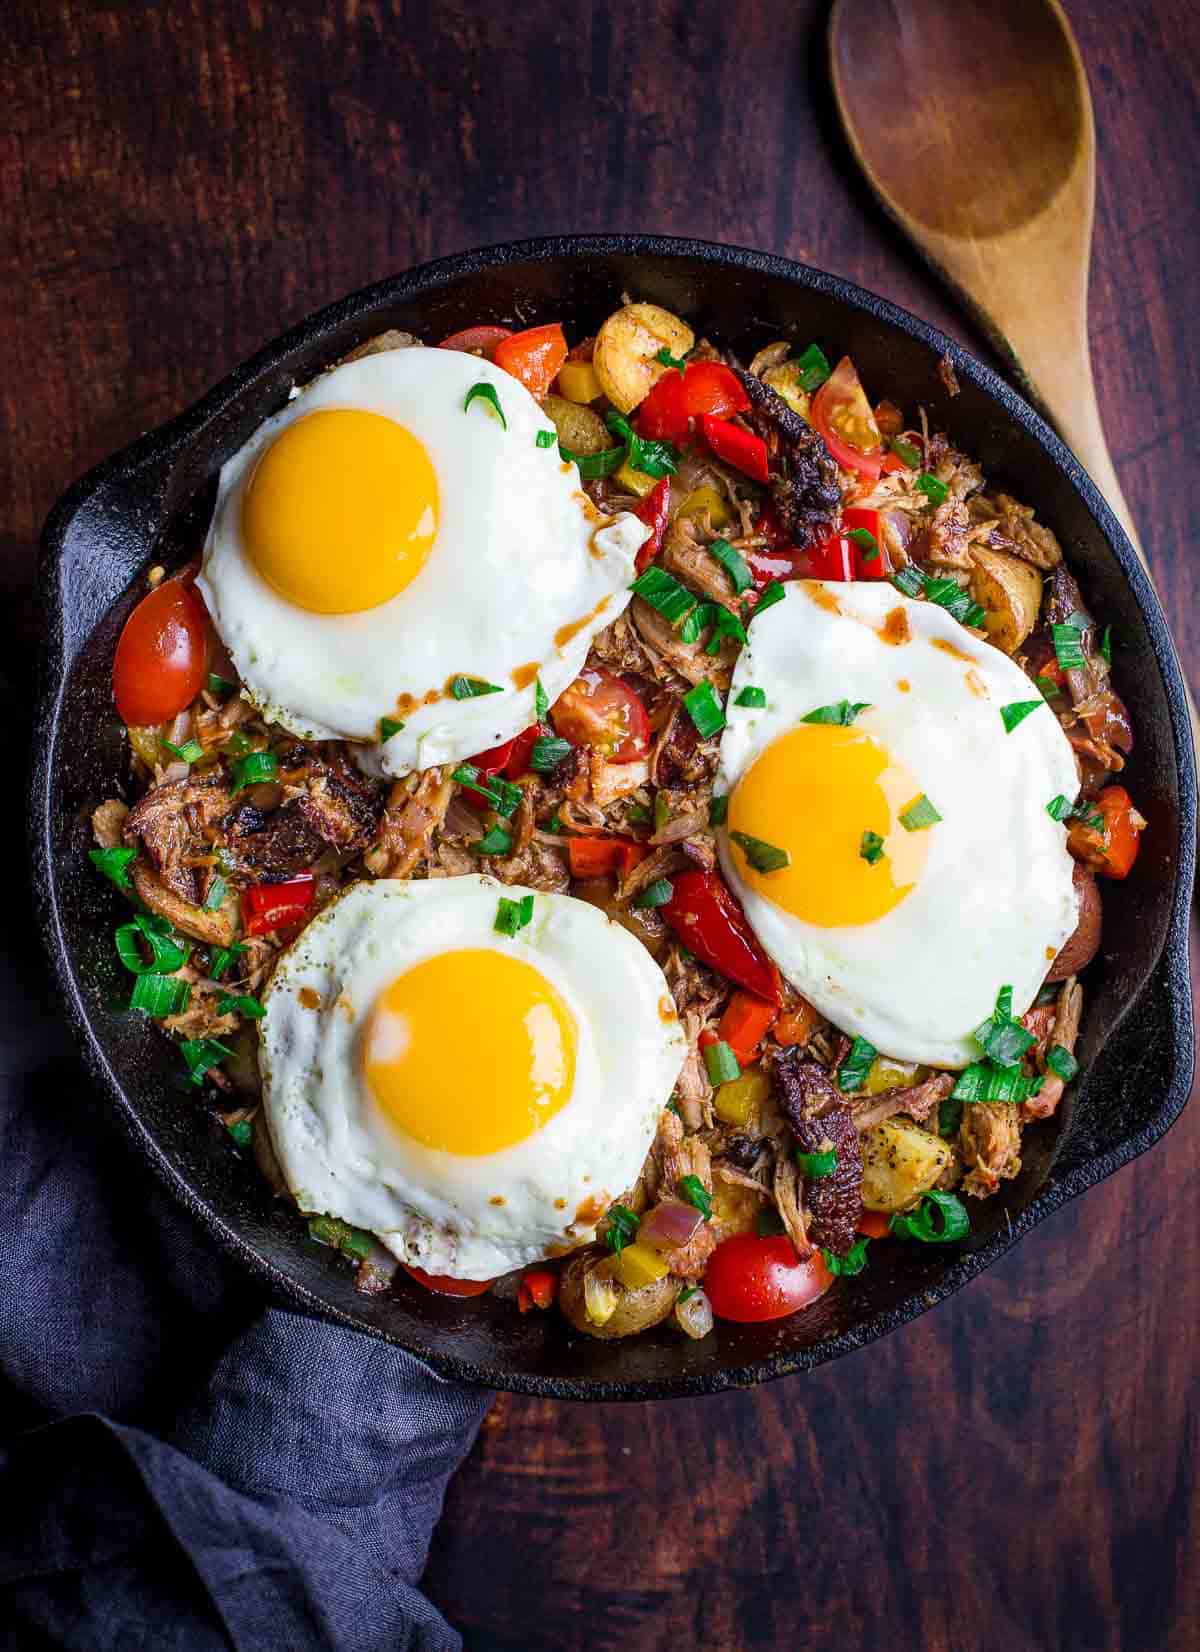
{"type": "Point", "coordinates": [821, 1120]}
{"type": "Point", "coordinates": [804, 474]}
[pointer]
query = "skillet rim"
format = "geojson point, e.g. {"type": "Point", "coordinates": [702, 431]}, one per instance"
{"type": "Point", "coordinates": [157, 455]}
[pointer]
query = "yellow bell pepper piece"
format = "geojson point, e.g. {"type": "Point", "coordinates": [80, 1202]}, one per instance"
{"type": "Point", "coordinates": [885, 1074]}
{"type": "Point", "coordinates": [785, 381]}
{"type": "Point", "coordinates": [637, 1265]}
{"type": "Point", "coordinates": [636, 481]}
{"type": "Point", "coordinates": [577, 381]}
{"type": "Point", "coordinates": [710, 500]}
{"type": "Point", "coordinates": [736, 1102]}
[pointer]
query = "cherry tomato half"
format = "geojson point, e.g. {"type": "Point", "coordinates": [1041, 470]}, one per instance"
{"type": "Point", "coordinates": [160, 662]}
{"type": "Point", "coordinates": [749, 1279]}
{"type": "Point", "coordinates": [476, 339]}
{"type": "Point", "coordinates": [599, 710]}
{"type": "Point", "coordinates": [444, 1284]}
{"type": "Point", "coordinates": [841, 412]}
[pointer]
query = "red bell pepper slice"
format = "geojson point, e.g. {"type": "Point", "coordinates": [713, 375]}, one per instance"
{"type": "Point", "coordinates": [710, 923]}
{"type": "Point", "coordinates": [444, 1284]}
{"type": "Point", "coordinates": [868, 566]}
{"type": "Point", "coordinates": [703, 387]}
{"type": "Point", "coordinates": [745, 1024]}
{"type": "Point", "coordinates": [537, 1289]}
{"type": "Point", "coordinates": [653, 511]}
{"type": "Point", "coordinates": [737, 447]}
{"type": "Point", "coordinates": [533, 356]}
{"type": "Point", "coordinates": [593, 857]}
{"type": "Point", "coordinates": [268, 906]}
{"type": "Point", "coordinates": [1111, 851]}
{"type": "Point", "coordinates": [832, 558]}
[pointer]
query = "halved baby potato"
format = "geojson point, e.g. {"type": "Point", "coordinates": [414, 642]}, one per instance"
{"type": "Point", "coordinates": [626, 347]}
{"type": "Point", "coordinates": [1010, 593]}
{"type": "Point", "coordinates": [900, 1162]}
{"type": "Point", "coordinates": [578, 427]}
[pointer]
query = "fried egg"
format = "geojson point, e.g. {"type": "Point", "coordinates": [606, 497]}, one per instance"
{"type": "Point", "coordinates": [900, 932]}
{"type": "Point", "coordinates": [393, 560]}
{"type": "Point", "coordinates": [475, 1099]}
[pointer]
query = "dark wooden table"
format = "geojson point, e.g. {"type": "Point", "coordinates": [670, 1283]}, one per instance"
{"type": "Point", "coordinates": [1018, 1469]}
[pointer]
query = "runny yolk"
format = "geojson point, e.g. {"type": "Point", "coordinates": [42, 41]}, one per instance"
{"type": "Point", "coordinates": [341, 511]}
{"type": "Point", "coordinates": [814, 792]}
{"type": "Point", "coordinates": [470, 1052]}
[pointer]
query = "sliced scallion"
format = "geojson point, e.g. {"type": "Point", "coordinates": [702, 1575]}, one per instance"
{"type": "Point", "coordinates": [812, 368]}
{"type": "Point", "coordinates": [871, 848]}
{"type": "Point", "coordinates": [721, 1063]}
{"type": "Point", "coordinates": [242, 1003]}
{"type": "Point", "coordinates": [1068, 647]}
{"type": "Point", "coordinates": [919, 815]}
{"type": "Point", "coordinates": [541, 701]}
{"type": "Point", "coordinates": [1017, 711]}
{"type": "Point", "coordinates": [815, 1166]}
{"type": "Point", "coordinates": [664, 593]}
{"type": "Point", "coordinates": [657, 893]}
{"type": "Point", "coordinates": [842, 712]}
{"type": "Point", "coordinates": [867, 543]}
{"type": "Point", "coordinates": [545, 438]}
{"type": "Point", "coordinates": [763, 857]}
{"type": "Point", "coordinates": [190, 752]}
{"type": "Point", "coordinates": [939, 1219]}
{"type": "Point", "coordinates": [936, 492]}
{"type": "Point", "coordinates": [704, 708]}
{"type": "Point", "coordinates": [113, 864]}
{"type": "Point", "coordinates": [621, 1225]}
{"type": "Point", "coordinates": [592, 466]}
{"type": "Point", "coordinates": [854, 1261]}
{"type": "Point", "coordinates": [734, 564]}
{"type": "Point", "coordinates": [200, 1054]}
{"type": "Point", "coordinates": [547, 752]}
{"type": "Point", "coordinates": [254, 768]}
{"type": "Point", "coordinates": [512, 916]}
{"type": "Point", "coordinates": [696, 1194]}
{"type": "Point", "coordinates": [487, 393]}
{"type": "Point", "coordinates": [472, 688]}
{"type": "Point", "coordinates": [905, 452]}
{"type": "Point", "coordinates": [751, 696]}
{"type": "Point", "coordinates": [389, 726]}
{"type": "Point", "coordinates": [718, 809]}
{"type": "Point", "coordinates": [1062, 1062]}
{"type": "Point", "coordinates": [771, 594]}
{"type": "Point", "coordinates": [495, 842]}
{"type": "Point", "coordinates": [852, 1074]}
{"type": "Point", "coordinates": [160, 995]}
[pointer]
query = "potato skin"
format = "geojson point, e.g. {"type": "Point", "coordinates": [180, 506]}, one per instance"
{"type": "Point", "coordinates": [635, 1311]}
{"type": "Point", "coordinates": [626, 346]}
{"type": "Point", "coordinates": [578, 427]}
{"type": "Point", "coordinates": [1080, 948]}
{"type": "Point", "coordinates": [1011, 593]}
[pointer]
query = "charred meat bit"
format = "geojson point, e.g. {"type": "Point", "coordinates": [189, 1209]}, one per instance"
{"type": "Point", "coordinates": [820, 1120]}
{"type": "Point", "coordinates": [176, 824]}
{"type": "Point", "coordinates": [804, 474]}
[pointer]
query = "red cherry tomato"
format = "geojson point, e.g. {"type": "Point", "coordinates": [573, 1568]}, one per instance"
{"type": "Point", "coordinates": [1111, 851]}
{"type": "Point", "coordinates": [444, 1284]}
{"type": "Point", "coordinates": [750, 1279]}
{"type": "Point", "coordinates": [472, 339]}
{"type": "Point", "coordinates": [510, 758]}
{"type": "Point", "coordinates": [599, 710]}
{"type": "Point", "coordinates": [533, 356]}
{"type": "Point", "coordinates": [841, 412]}
{"type": "Point", "coordinates": [161, 657]}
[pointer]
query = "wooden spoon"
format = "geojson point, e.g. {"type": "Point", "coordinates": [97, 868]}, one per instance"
{"type": "Point", "coordinates": [973, 125]}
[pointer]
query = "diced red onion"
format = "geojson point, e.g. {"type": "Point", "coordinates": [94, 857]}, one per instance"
{"type": "Point", "coordinates": [695, 1316]}
{"type": "Point", "coordinates": [669, 1225]}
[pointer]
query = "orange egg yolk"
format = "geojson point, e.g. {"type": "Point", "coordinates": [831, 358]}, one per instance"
{"type": "Point", "coordinates": [341, 511]}
{"type": "Point", "coordinates": [814, 792]}
{"type": "Point", "coordinates": [470, 1052]}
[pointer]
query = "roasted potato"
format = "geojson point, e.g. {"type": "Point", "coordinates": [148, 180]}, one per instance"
{"type": "Point", "coordinates": [626, 346]}
{"type": "Point", "coordinates": [1080, 948]}
{"type": "Point", "coordinates": [900, 1162]}
{"type": "Point", "coordinates": [785, 381]}
{"type": "Point", "coordinates": [633, 1311]}
{"type": "Point", "coordinates": [578, 427]}
{"type": "Point", "coordinates": [1010, 591]}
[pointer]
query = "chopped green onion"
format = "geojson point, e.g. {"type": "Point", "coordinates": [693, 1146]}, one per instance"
{"type": "Point", "coordinates": [238, 744]}
{"type": "Point", "coordinates": [637, 814]}
{"type": "Point", "coordinates": [842, 712]}
{"type": "Point", "coordinates": [854, 1261]}
{"type": "Point", "coordinates": [200, 1054]}
{"type": "Point", "coordinates": [622, 1227]}
{"type": "Point", "coordinates": [113, 864]}
{"type": "Point", "coordinates": [240, 1004]}
{"type": "Point", "coordinates": [919, 814]}
{"type": "Point", "coordinates": [1062, 1062]}
{"type": "Point", "coordinates": [1049, 688]}
{"type": "Point", "coordinates": [242, 1132]}
{"type": "Point", "coordinates": [866, 542]}
{"type": "Point", "coordinates": [160, 995]}
{"type": "Point", "coordinates": [167, 953]}
{"type": "Point", "coordinates": [1089, 817]}
{"type": "Point", "coordinates": [905, 452]}
{"type": "Point", "coordinates": [871, 848]}
{"type": "Point", "coordinates": [770, 595]}
{"type": "Point", "coordinates": [339, 1235]}
{"type": "Point", "coordinates": [662, 810]}
{"type": "Point", "coordinates": [254, 768]}
{"type": "Point", "coordinates": [936, 492]}
{"type": "Point", "coordinates": [389, 726]}
{"type": "Point", "coordinates": [545, 438]}
{"type": "Point", "coordinates": [852, 1074]}
{"type": "Point", "coordinates": [1058, 807]}
{"type": "Point", "coordinates": [721, 1063]}
{"type": "Point", "coordinates": [812, 368]}
{"type": "Point", "coordinates": [909, 581]}
{"type": "Point", "coordinates": [751, 696]}
{"type": "Point", "coordinates": [472, 688]}
{"type": "Point", "coordinates": [651, 458]}
{"type": "Point", "coordinates": [664, 592]}
{"type": "Point", "coordinates": [952, 1222]}
{"type": "Point", "coordinates": [718, 809]}
{"type": "Point", "coordinates": [541, 701]}
{"type": "Point", "coordinates": [768, 1224]}
{"type": "Point", "coordinates": [666, 359]}
{"type": "Point", "coordinates": [657, 893]}
{"type": "Point", "coordinates": [983, 1082]}
{"type": "Point", "coordinates": [1106, 645]}
{"type": "Point", "coordinates": [503, 795]}
{"type": "Point", "coordinates": [1068, 650]}
{"type": "Point", "coordinates": [217, 891]}
{"type": "Point", "coordinates": [547, 752]}
{"type": "Point", "coordinates": [555, 825]}
{"type": "Point", "coordinates": [513, 915]}
{"type": "Point", "coordinates": [190, 752]}
{"type": "Point", "coordinates": [495, 842]}
{"type": "Point", "coordinates": [696, 1194]}
{"type": "Point", "coordinates": [817, 1165]}
{"type": "Point", "coordinates": [486, 392]}
{"type": "Point", "coordinates": [725, 624]}
{"type": "Point", "coordinates": [948, 594]}
{"type": "Point", "coordinates": [950, 1114]}
{"type": "Point", "coordinates": [687, 1293]}
{"type": "Point", "coordinates": [763, 857]}
{"type": "Point", "coordinates": [699, 619]}
{"type": "Point", "coordinates": [734, 564]}
{"type": "Point", "coordinates": [221, 957]}
{"type": "Point", "coordinates": [704, 709]}
{"type": "Point", "coordinates": [219, 685]}
{"type": "Point", "coordinates": [1001, 1038]}
{"type": "Point", "coordinates": [594, 465]}
{"type": "Point", "coordinates": [1017, 712]}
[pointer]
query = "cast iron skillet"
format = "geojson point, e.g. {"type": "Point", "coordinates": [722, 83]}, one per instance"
{"type": "Point", "coordinates": [150, 503]}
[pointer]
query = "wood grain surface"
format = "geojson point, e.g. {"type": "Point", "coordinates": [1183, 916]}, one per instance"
{"type": "Point", "coordinates": [1019, 1468]}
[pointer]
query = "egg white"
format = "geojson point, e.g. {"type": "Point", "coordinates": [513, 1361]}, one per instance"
{"type": "Point", "coordinates": [520, 555]}
{"type": "Point", "coordinates": [995, 900]}
{"type": "Point", "coordinates": [431, 1208]}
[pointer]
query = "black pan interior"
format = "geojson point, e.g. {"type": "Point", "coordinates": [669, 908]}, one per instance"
{"type": "Point", "coordinates": [151, 503]}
